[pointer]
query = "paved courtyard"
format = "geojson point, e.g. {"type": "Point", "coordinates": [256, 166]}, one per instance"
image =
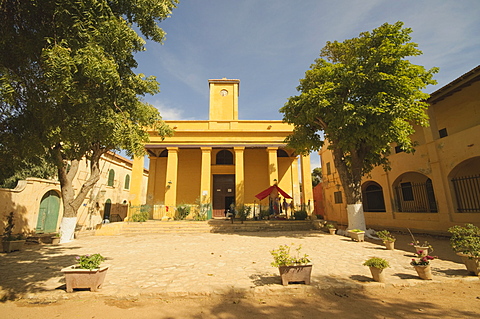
{"type": "Point", "coordinates": [209, 263]}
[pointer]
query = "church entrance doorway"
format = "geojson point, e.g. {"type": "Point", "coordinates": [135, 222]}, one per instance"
{"type": "Point", "coordinates": [223, 194]}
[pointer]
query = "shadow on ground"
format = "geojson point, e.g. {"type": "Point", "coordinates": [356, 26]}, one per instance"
{"type": "Point", "coordinates": [27, 271]}
{"type": "Point", "coordinates": [331, 303]}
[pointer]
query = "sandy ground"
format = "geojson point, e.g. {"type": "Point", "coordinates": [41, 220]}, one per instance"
{"type": "Point", "coordinates": [460, 300]}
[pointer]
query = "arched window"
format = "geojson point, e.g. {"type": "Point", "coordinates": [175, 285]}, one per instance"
{"type": "Point", "coordinates": [127, 181]}
{"type": "Point", "coordinates": [373, 198]}
{"type": "Point", "coordinates": [282, 153]}
{"type": "Point", "coordinates": [111, 178]}
{"type": "Point", "coordinates": [224, 157]}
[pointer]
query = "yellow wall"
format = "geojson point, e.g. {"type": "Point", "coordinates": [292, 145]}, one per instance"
{"type": "Point", "coordinates": [256, 176]}
{"type": "Point", "coordinates": [189, 170]}
{"type": "Point", "coordinates": [465, 112]}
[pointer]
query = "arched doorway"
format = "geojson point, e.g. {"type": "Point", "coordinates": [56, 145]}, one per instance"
{"type": "Point", "coordinates": [48, 213]}
{"type": "Point", "coordinates": [107, 209]}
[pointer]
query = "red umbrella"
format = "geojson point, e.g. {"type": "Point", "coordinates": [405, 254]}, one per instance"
{"type": "Point", "coordinates": [269, 190]}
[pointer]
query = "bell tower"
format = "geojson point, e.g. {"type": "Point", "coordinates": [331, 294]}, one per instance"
{"type": "Point", "coordinates": [224, 99]}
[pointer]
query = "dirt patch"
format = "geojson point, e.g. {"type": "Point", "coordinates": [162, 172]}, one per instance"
{"type": "Point", "coordinates": [459, 300]}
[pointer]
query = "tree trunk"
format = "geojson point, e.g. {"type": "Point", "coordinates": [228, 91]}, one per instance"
{"type": "Point", "coordinates": [72, 203]}
{"type": "Point", "coordinates": [351, 179]}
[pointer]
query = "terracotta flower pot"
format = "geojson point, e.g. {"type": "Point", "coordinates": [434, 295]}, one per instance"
{"type": "Point", "coordinates": [295, 273]}
{"type": "Point", "coordinates": [377, 274]}
{"type": "Point", "coordinates": [332, 231]}
{"type": "Point", "coordinates": [84, 278]}
{"type": "Point", "coordinates": [390, 245]}
{"type": "Point", "coordinates": [472, 263]}
{"type": "Point", "coordinates": [424, 272]}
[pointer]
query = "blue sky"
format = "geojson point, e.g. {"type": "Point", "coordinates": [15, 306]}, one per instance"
{"type": "Point", "coordinates": [269, 44]}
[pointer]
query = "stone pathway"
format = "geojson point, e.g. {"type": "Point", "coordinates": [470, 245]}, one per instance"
{"type": "Point", "coordinates": [207, 263]}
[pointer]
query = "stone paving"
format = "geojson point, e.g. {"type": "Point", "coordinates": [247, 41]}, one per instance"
{"type": "Point", "coordinates": [209, 263]}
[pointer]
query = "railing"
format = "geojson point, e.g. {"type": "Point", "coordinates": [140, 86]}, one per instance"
{"type": "Point", "coordinates": [467, 193]}
{"type": "Point", "coordinates": [415, 198]}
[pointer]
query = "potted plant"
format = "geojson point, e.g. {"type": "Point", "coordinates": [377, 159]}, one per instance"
{"type": "Point", "coordinates": [387, 238]}
{"type": "Point", "coordinates": [56, 239]}
{"type": "Point", "coordinates": [465, 241]}
{"type": "Point", "coordinates": [292, 268]}
{"type": "Point", "coordinates": [300, 214]}
{"type": "Point", "coordinates": [422, 266]}
{"type": "Point", "coordinates": [86, 274]}
{"type": "Point", "coordinates": [357, 234]}
{"type": "Point", "coordinates": [242, 212]}
{"type": "Point", "coordinates": [425, 247]}
{"type": "Point", "coordinates": [377, 265]}
{"type": "Point", "coordinates": [11, 242]}
{"type": "Point", "coordinates": [182, 211]}
{"type": "Point", "coordinates": [331, 228]}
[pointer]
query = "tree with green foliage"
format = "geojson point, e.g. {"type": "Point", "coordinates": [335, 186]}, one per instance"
{"type": "Point", "coordinates": [67, 86]}
{"type": "Point", "coordinates": [316, 176]}
{"type": "Point", "coordinates": [38, 167]}
{"type": "Point", "coordinates": [363, 94]}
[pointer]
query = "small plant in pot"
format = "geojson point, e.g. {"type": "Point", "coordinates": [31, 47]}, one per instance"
{"type": "Point", "coordinates": [182, 211]}
{"type": "Point", "coordinates": [87, 273]}
{"type": "Point", "coordinates": [293, 267]}
{"type": "Point", "coordinates": [465, 241]}
{"type": "Point", "coordinates": [377, 265]}
{"type": "Point", "coordinates": [331, 228]}
{"type": "Point", "coordinates": [387, 238]}
{"type": "Point", "coordinates": [11, 242]}
{"type": "Point", "coordinates": [425, 247]}
{"type": "Point", "coordinates": [422, 265]}
{"type": "Point", "coordinates": [242, 212]}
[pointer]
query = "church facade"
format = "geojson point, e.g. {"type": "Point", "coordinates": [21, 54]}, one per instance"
{"type": "Point", "coordinates": [223, 160]}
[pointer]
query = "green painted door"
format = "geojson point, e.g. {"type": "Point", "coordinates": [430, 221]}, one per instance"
{"type": "Point", "coordinates": [48, 213]}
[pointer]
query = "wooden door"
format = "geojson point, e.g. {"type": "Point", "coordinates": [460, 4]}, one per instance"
{"type": "Point", "coordinates": [48, 213]}
{"type": "Point", "coordinates": [223, 193]}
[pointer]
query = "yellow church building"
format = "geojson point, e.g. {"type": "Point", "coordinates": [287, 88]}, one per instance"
{"type": "Point", "coordinates": [222, 160]}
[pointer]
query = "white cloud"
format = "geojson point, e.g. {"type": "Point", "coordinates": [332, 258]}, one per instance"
{"type": "Point", "coordinates": [168, 113]}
